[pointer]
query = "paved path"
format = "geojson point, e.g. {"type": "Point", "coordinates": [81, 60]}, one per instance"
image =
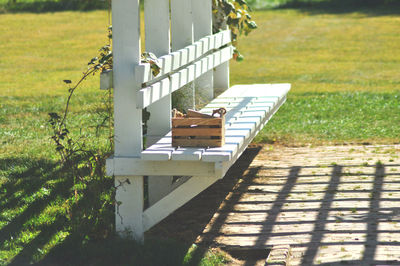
{"type": "Point", "coordinates": [336, 205]}
{"type": "Point", "coordinates": [330, 204]}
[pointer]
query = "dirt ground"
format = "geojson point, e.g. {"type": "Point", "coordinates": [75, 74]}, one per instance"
{"type": "Point", "coordinates": [334, 205]}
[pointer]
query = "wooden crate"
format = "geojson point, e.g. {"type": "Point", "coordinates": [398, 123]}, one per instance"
{"type": "Point", "coordinates": [198, 132]}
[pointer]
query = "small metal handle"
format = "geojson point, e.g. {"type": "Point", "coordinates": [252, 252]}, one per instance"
{"type": "Point", "coordinates": [220, 111]}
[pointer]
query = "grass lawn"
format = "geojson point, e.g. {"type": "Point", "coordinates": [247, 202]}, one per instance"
{"type": "Point", "coordinates": [343, 67]}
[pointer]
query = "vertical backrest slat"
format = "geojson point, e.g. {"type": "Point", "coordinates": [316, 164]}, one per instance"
{"type": "Point", "coordinates": [157, 37]}
{"type": "Point", "coordinates": [126, 47]}
{"type": "Point", "coordinates": [202, 24]}
{"type": "Point", "coordinates": [182, 36]}
{"type": "Point", "coordinates": [221, 74]}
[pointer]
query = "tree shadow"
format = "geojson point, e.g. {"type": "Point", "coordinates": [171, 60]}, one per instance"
{"type": "Point", "coordinates": [52, 6]}
{"type": "Point", "coordinates": [336, 224]}
{"type": "Point", "coordinates": [38, 201]}
{"type": "Point", "coordinates": [365, 7]}
{"type": "Point", "coordinates": [80, 232]}
{"type": "Point", "coordinates": [188, 222]}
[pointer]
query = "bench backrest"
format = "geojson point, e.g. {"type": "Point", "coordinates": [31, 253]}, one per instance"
{"type": "Point", "coordinates": [179, 32]}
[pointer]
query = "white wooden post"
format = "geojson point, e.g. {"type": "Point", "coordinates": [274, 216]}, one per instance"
{"type": "Point", "coordinates": [202, 23]}
{"type": "Point", "coordinates": [182, 36]}
{"type": "Point", "coordinates": [128, 119]}
{"type": "Point", "coordinates": [157, 37]}
{"type": "Point", "coordinates": [221, 73]}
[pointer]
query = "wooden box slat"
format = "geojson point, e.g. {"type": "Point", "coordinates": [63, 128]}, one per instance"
{"type": "Point", "coordinates": [179, 122]}
{"type": "Point", "coordinates": [201, 132]}
{"type": "Point", "coordinates": [198, 132]}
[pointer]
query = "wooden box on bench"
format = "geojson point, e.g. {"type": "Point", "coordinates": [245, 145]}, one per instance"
{"type": "Point", "coordinates": [198, 132]}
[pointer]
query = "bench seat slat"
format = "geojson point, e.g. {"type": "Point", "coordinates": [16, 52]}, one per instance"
{"type": "Point", "coordinates": [224, 153]}
{"type": "Point", "coordinates": [187, 154]}
{"type": "Point", "coordinates": [247, 112]}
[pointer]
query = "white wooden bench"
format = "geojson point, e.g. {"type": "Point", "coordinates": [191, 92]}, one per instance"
{"type": "Point", "coordinates": [196, 57]}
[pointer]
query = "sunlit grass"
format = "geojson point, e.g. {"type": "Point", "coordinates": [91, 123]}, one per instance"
{"type": "Point", "coordinates": [322, 53]}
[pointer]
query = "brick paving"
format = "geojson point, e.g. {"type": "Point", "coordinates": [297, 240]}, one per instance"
{"type": "Point", "coordinates": [334, 205]}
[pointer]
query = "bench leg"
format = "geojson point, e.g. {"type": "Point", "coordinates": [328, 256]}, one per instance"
{"type": "Point", "coordinates": [129, 207]}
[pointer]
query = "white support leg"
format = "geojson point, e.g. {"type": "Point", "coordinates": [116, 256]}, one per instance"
{"type": "Point", "coordinates": [129, 207]}
{"type": "Point", "coordinates": [176, 199]}
{"type": "Point", "coordinates": [127, 118]}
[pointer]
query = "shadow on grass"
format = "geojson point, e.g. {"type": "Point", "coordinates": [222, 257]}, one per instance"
{"type": "Point", "coordinates": [366, 7]}
{"type": "Point", "coordinates": [52, 6]}
{"type": "Point", "coordinates": [46, 219]}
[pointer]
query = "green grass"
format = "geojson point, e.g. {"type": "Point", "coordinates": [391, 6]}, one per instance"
{"type": "Point", "coordinates": [335, 117]}
{"type": "Point", "coordinates": [344, 72]}
{"type": "Point", "coordinates": [345, 87]}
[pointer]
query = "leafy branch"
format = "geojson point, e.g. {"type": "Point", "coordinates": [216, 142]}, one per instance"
{"type": "Point", "coordinates": [235, 15]}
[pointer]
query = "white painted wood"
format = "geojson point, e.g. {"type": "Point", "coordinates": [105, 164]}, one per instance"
{"type": "Point", "coordinates": [187, 154]}
{"type": "Point", "coordinates": [201, 47]}
{"type": "Point", "coordinates": [248, 120]}
{"type": "Point", "coordinates": [222, 168]}
{"type": "Point", "coordinates": [156, 155]}
{"type": "Point", "coordinates": [157, 186]}
{"type": "Point", "coordinates": [156, 91]}
{"type": "Point", "coordinates": [221, 76]}
{"type": "Point", "coordinates": [182, 36]}
{"type": "Point", "coordinates": [249, 107]}
{"type": "Point", "coordinates": [245, 116]}
{"type": "Point", "coordinates": [231, 132]}
{"type": "Point", "coordinates": [129, 206]}
{"type": "Point", "coordinates": [106, 80]}
{"type": "Point", "coordinates": [202, 22]}
{"type": "Point", "coordinates": [224, 153]}
{"type": "Point", "coordinates": [157, 36]}
{"type": "Point", "coordinates": [259, 90]}
{"type": "Point", "coordinates": [120, 166]}
{"type": "Point", "coordinates": [156, 14]}
{"type": "Point", "coordinates": [126, 47]}
{"type": "Point", "coordinates": [175, 199]}
{"type": "Point", "coordinates": [234, 140]}
{"type": "Point", "coordinates": [127, 119]}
